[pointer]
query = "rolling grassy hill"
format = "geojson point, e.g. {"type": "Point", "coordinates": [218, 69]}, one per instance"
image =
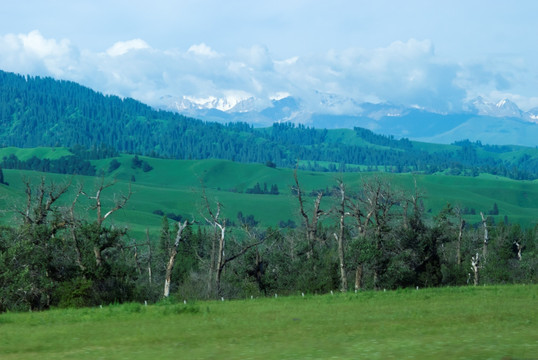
{"type": "Point", "coordinates": [175, 186]}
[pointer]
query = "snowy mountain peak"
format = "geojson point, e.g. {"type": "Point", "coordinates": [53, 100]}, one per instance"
{"type": "Point", "coordinates": [503, 108]}
{"type": "Point", "coordinates": [532, 115]}
{"type": "Point", "coordinates": [233, 102]}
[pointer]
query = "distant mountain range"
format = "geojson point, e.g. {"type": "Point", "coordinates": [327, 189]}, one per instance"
{"type": "Point", "coordinates": [501, 123]}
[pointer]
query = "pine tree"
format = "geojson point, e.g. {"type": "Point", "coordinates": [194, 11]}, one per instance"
{"type": "Point", "coordinates": [2, 177]}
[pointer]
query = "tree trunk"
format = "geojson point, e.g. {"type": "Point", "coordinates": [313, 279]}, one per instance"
{"type": "Point", "coordinates": [221, 258]}
{"type": "Point", "coordinates": [212, 265]}
{"type": "Point", "coordinates": [340, 239]}
{"type": "Point", "coordinates": [169, 268]}
{"type": "Point", "coordinates": [486, 238]}
{"type": "Point", "coordinates": [358, 277]}
{"type": "Point", "coordinates": [172, 260]}
{"type": "Point", "coordinates": [475, 262]}
{"type": "Point", "coordinates": [460, 235]}
{"type": "Point", "coordinates": [311, 225]}
{"type": "Point", "coordinates": [98, 257]}
{"type": "Point", "coordinates": [149, 257]}
{"type": "Point", "coordinates": [343, 275]}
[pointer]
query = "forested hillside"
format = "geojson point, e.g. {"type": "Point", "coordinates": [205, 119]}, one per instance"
{"type": "Point", "coordinates": [38, 111]}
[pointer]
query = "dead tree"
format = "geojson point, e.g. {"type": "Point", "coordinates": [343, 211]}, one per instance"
{"type": "Point", "coordinates": [73, 224]}
{"type": "Point", "coordinates": [172, 259]}
{"type": "Point", "coordinates": [340, 236]}
{"type": "Point", "coordinates": [475, 266]}
{"type": "Point", "coordinates": [40, 202]}
{"type": "Point", "coordinates": [372, 211]}
{"type": "Point", "coordinates": [149, 257]}
{"type": "Point", "coordinates": [219, 239]}
{"type": "Point", "coordinates": [213, 218]}
{"type": "Point", "coordinates": [311, 223]}
{"type": "Point", "coordinates": [458, 246]}
{"type": "Point", "coordinates": [119, 203]}
{"type": "Point", "coordinates": [225, 260]}
{"type": "Point", "coordinates": [486, 238]}
{"type": "Point", "coordinates": [358, 276]}
{"type": "Point", "coordinates": [415, 200]}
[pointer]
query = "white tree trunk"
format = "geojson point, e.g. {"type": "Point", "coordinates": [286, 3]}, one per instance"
{"type": "Point", "coordinates": [486, 237]}
{"type": "Point", "coordinates": [172, 260]}
{"type": "Point", "coordinates": [475, 266]}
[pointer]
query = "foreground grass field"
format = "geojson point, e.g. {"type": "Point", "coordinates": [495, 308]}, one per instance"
{"type": "Point", "coordinates": [492, 322]}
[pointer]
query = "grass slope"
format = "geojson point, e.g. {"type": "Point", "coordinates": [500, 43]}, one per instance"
{"type": "Point", "coordinates": [493, 322]}
{"type": "Point", "coordinates": [175, 186]}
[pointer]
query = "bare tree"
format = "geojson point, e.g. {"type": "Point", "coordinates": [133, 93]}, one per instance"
{"type": "Point", "coordinates": [475, 266]}
{"type": "Point", "coordinates": [150, 275]}
{"type": "Point", "coordinates": [73, 224]}
{"type": "Point", "coordinates": [486, 237]}
{"type": "Point", "coordinates": [358, 276]}
{"type": "Point", "coordinates": [172, 259]}
{"type": "Point", "coordinates": [214, 219]}
{"type": "Point", "coordinates": [311, 223]}
{"type": "Point", "coordinates": [255, 240]}
{"type": "Point", "coordinates": [219, 239]}
{"type": "Point", "coordinates": [40, 202]}
{"type": "Point", "coordinates": [460, 236]}
{"type": "Point", "coordinates": [372, 211]}
{"type": "Point", "coordinates": [373, 205]}
{"type": "Point", "coordinates": [119, 203]}
{"type": "Point", "coordinates": [340, 236]}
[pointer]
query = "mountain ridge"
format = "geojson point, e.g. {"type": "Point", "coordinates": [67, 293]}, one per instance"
{"type": "Point", "coordinates": [385, 118]}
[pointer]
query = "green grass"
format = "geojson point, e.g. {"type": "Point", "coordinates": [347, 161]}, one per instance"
{"type": "Point", "coordinates": [174, 186]}
{"type": "Point", "coordinates": [40, 152]}
{"type": "Point", "coordinates": [492, 322]}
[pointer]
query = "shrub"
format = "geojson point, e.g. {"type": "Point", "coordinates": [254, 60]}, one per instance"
{"type": "Point", "coordinates": [75, 293]}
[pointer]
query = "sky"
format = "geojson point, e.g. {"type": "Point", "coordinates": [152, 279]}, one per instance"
{"type": "Point", "coordinates": [431, 54]}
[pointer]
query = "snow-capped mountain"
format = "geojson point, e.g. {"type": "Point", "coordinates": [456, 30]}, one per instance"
{"type": "Point", "coordinates": [532, 115]}
{"type": "Point", "coordinates": [503, 108]}
{"type": "Point", "coordinates": [230, 103]}
{"type": "Point", "coordinates": [499, 122]}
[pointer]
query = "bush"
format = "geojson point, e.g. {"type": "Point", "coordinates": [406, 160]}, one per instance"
{"type": "Point", "coordinates": [75, 293]}
{"type": "Point", "coordinates": [114, 164]}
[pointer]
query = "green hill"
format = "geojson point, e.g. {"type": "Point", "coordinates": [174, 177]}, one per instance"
{"type": "Point", "coordinates": [175, 187]}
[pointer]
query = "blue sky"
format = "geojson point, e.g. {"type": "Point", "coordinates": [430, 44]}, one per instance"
{"type": "Point", "coordinates": [432, 54]}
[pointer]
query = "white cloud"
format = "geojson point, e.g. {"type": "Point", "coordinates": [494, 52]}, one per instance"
{"type": "Point", "coordinates": [202, 50]}
{"type": "Point", "coordinates": [122, 47]}
{"type": "Point", "coordinates": [33, 54]}
{"type": "Point", "coordinates": [403, 72]}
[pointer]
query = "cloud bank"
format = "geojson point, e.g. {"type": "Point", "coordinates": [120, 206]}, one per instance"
{"type": "Point", "coordinates": [403, 72]}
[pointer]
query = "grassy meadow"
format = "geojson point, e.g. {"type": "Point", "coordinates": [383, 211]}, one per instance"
{"type": "Point", "coordinates": [491, 322]}
{"type": "Point", "coordinates": [175, 186]}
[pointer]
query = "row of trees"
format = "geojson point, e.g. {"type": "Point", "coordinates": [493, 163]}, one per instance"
{"type": "Point", "coordinates": [373, 237]}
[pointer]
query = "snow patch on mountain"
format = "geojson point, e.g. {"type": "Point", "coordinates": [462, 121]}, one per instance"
{"type": "Point", "coordinates": [231, 102]}
{"type": "Point", "coordinates": [502, 108]}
